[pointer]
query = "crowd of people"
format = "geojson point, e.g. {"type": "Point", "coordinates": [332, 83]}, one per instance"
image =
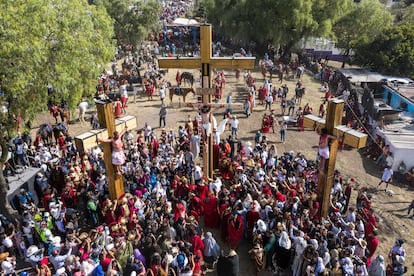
{"type": "Point", "coordinates": [256, 195]}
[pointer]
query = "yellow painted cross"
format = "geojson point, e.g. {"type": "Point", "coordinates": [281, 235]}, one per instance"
{"type": "Point", "coordinates": [206, 62]}
{"type": "Point", "coordinates": [107, 120]}
{"type": "Point", "coordinates": [353, 138]}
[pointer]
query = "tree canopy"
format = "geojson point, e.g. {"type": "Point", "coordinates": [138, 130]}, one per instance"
{"type": "Point", "coordinates": [282, 22]}
{"type": "Point", "coordinates": [391, 52]}
{"type": "Point", "coordinates": [133, 20]}
{"type": "Point", "coordinates": [361, 23]}
{"type": "Point", "coordinates": [63, 43]}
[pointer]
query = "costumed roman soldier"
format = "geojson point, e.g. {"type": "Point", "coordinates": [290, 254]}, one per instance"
{"type": "Point", "coordinates": [123, 208]}
{"type": "Point", "coordinates": [109, 208]}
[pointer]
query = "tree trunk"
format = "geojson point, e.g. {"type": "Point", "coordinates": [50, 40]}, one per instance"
{"type": "Point", "coordinates": [345, 57]}
{"type": "Point", "coordinates": [5, 207]}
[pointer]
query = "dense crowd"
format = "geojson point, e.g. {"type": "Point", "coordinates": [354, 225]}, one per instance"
{"type": "Point", "coordinates": [255, 195]}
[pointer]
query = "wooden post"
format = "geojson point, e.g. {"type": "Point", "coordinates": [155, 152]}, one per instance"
{"type": "Point", "coordinates": [107, 119]}
{"type": "Point", "coordinates": [207, 63]}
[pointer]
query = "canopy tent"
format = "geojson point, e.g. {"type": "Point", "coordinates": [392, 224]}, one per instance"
{"type": "Point", "coordinates": [185, 22]}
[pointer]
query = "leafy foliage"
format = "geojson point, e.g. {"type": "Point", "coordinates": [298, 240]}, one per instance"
{"type": "Point", "coordinates": [361, 23]}
{"type": "Point", "coordinates": [391, 52]}
{"type": "Point", "coordinates": [133, 20]}
{"type": "Point", "coordinates": [64, 43]}
{"type": "Point", "coordinates": [281, 22]}
{"type": "Point", "coordinates": [408, 15]}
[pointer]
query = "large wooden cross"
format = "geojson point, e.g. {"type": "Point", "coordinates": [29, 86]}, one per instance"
{"type": "Point", "coordinates": [207, 63]}
{"type": "Point", "coordinates": [106, 119]}
{"type": "Point", "coordinates": [353, 138]}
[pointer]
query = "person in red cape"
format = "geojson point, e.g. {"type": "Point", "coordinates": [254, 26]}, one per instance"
{"type": "Point", "coordinates": [197, 245]}
{"type": "Point", "coordinates": [369, 220]}
{"type": "Point", "coordinates": [196, 206]}
{"type": "Point", "coordinates": [109, 211]}
{"type": "Point", "coordinates": [178, 78]}
{"type": "Point", "coordinates": [202, 190]}
{"type": "Point", "coordinates": [211, 214]}
{"type": "Point", "coordinates": [54, 110]}
{"type": "Point", "coordinates": [235, 230]}
{"type": "Point", "coordinates": [179, 210]}
{"type": "Point", "coordinates": [216, 156]}
{"type": "Point", "coordinates": [225, 213]}
{"type": "Point", "coordinates": [252, 216]}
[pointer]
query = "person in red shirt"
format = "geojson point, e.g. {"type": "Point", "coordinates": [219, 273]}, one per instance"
{"type": "Point", "coordinates": [372, 244]}
{"type": "Point", "coordinates": [369, 220]}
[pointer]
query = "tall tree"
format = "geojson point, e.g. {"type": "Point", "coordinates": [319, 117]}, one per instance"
{"type": "Point", "coordinates": [391, 52]}
{"type": "Point", "coordinates": [360, 24]}
{"type": "Point", "coordinates": [282, 22]}
{"type": "Point", "coordinates": [408, 15]}
{"type": "Point", "coordinates": [64, 43]}
{"type": "Point", "coordinates": [133, 20]}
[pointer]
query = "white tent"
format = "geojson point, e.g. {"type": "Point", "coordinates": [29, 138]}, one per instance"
{"type": "Point", "coordinates": [185, 22]}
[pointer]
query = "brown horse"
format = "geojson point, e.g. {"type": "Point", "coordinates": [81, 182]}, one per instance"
{"type": "Point", "coordinates": [180, 91]}
{"type": "Point", "coordinates": [187, 77]}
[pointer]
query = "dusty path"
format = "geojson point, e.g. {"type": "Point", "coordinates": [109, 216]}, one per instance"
{"type": "Point", "coordinates": [393, 221]}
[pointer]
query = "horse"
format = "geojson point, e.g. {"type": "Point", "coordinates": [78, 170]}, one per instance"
{"type": "Point", "coordinates": [187, 77]}
{"type": "Point", "coordinates": [45, 132]}
{"type": "Point", "coordinates": [57, 129]}
{"type": "Point", "coordinates": [180, 91]}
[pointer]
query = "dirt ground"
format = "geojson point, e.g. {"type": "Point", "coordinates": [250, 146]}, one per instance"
{"type": "Point", "coordinates": [391, 211]}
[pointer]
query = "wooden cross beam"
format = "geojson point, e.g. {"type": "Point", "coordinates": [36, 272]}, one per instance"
{"type": "Point", "coordinates": [207, 63]}
{"type": "Point", "coordinates": [107, 120]}
{"type": "Point", "coordinates": [333, 124]}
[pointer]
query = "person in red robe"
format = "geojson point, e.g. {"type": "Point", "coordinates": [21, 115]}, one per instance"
{"type": "Point", "coordinates": [372, 244]}
{"type": "Point", "coordinates": [370, 221]}
{"type": "Point", "coordinates": [179, 210]}
{"type": "Point", "coordinates": [202, 191]}
{"type": "Point", "coordinates": [225, 213]}
{"type": "Point", "coordinates": [252, 217]}
{"type": "Point", "coordinates": [235, 230]}
{"type": "Point", "coordinates": [109, 212]}
{"type": "Point", "coordinates": [54, 110]}
{"type": "Point", "coordinates": [118, 108]}
{"type": "Point", "coordinates": [262, 94]}
{"type": "Point", "coordinates": [196, 206]}
{"type": "Point", "coordinates": [197, 245]}
{"type": "Point", "coordinates": [211, 214]}
{"type": "Point", "coordinates": [178, 78]}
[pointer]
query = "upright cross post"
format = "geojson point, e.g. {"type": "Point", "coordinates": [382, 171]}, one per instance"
{"type": "Point", "coordinates": [107, 120]}
{"type": "Point", "coordinates": [349, 136]}
{"type": "Point", "coordinates": [326, 174]}
{"type": "Point", "coordinates": [207, 63]}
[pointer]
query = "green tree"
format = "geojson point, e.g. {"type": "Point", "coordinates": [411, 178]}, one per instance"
{"type": "Point", "coordinates": [133, 20]}
{"type": "Point", "coordinates": [391, 52]}
{"type": "Point", "coordinates": [408, 15]}
{"type": "Point", "coordinates": [282, 22]}
{"type": "Point", "coordinates": [360, 24]}
{"type": "Point", "coordinates": [64, 43]}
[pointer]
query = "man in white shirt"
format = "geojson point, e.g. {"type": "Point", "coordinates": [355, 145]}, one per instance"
{"type": "Point", "coordinates": [215, 185]}
{"type": "Point", "coordinates": [234, 126]}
